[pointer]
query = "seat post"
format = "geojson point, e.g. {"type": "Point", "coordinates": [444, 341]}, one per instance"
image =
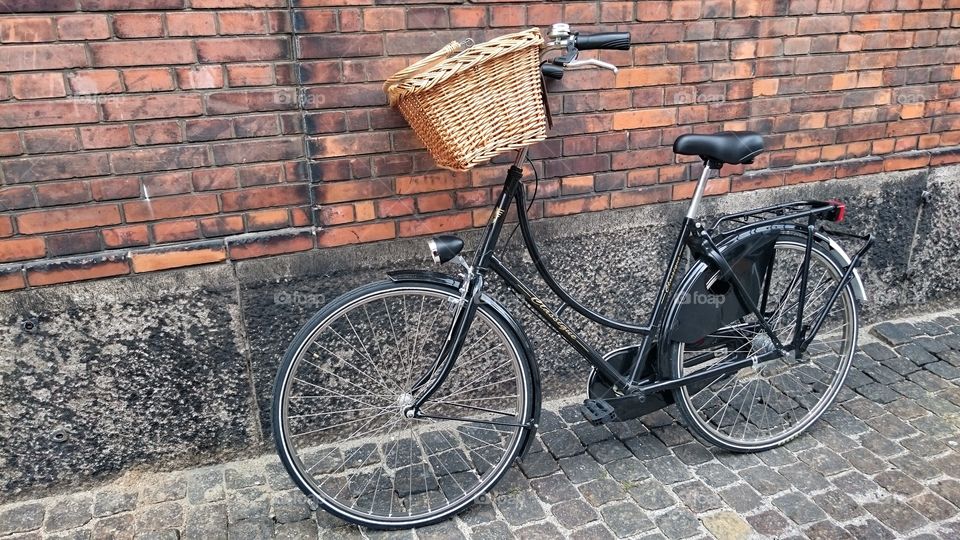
{"type": "Point", "coordinates": [701, 185]}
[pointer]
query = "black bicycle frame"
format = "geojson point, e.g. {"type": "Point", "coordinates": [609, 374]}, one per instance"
{"type": "Point", "coordinates": [692, 235]}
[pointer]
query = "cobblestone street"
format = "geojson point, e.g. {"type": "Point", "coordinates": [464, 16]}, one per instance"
{"type": "Point", "coordinates": [884, 462]}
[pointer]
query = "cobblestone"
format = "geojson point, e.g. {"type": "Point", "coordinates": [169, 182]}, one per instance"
{"type": "Point", "coordinates": [884, 462]}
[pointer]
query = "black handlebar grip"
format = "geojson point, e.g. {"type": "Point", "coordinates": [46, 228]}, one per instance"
{"type": "Point", "coordinates": [552, 71]}
{"type": "Point", "coordinates": [609, 40]}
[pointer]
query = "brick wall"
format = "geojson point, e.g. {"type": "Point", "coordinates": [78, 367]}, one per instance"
{"type": "Point", "coordinates": [144, 135]}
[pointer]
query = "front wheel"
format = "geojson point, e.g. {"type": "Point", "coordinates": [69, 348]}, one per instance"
{"type": "Point", "coordinates": [344, 389]}
{"type": "Point", "coordinates": [768, 404]}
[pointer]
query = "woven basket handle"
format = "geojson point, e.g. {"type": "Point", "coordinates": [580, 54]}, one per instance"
{"type": "Point", "coordinates": [422, 65]}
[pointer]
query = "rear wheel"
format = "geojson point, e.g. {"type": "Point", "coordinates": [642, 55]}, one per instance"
{"type": "Point", "coordinates": [344, 387]}
{"type": "Point", "coordinates": [770, 403]}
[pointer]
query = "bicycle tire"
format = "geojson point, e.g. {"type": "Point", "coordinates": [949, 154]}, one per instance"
{"type": "Point", "coordinates": [721, 432]}
{"type": "Point", "coordinates": [385, 463]}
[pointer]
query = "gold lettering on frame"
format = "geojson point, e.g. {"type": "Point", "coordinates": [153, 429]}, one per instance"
{"type": "Point", "coordinates": [564, 329]}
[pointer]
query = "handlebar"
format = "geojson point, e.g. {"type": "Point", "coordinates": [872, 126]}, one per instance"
{"type": "Point", "coordinates": [574, 42]}
{"type": "Point", "coordinates": [616, 41]}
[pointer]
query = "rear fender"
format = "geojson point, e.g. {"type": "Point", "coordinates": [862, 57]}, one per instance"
{"type": "Point", "coordinates": [842, 258]}
{"type": "Point", "coordinates": [513, 325]}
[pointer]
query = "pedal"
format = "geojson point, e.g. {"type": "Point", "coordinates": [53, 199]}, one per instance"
{"type": "Point", "coordinates": [598, 411]}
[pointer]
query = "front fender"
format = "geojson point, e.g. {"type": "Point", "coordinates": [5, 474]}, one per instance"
{"type": "Point", "coordinates": [514, 326]}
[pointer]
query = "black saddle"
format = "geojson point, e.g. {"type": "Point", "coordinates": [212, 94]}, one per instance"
{"type": "Point", "coordinates": [734, 147]}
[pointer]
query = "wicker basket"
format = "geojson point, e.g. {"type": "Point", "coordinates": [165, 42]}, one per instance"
{"type": "Point", "coordinates": [469, 107]}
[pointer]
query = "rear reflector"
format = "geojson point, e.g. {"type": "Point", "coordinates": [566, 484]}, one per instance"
{"type": "Point", "coordinates": [840, 212]}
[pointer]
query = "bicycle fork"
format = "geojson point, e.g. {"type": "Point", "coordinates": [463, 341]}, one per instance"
{"type": "Point", "coordinates": [470, 293]}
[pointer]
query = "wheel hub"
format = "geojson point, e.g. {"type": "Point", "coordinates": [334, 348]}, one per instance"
{"type": "Point", "coordinates": [405, 403]}
{"type": "Point", "coordinates": [761, 345]}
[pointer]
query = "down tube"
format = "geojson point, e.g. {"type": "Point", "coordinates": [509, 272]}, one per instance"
{"type": "Point", "coordinates": [541, 309]}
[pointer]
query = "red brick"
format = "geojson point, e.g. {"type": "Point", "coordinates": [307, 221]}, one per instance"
{"type": "Point", "coordinates": [563, 207]}
{"type": "Point", "coordinates": [152, 106]}
{"type": "Point", "coordinates": [55, 167]}
{"type": "Point", "coordinates": [829, 24]}
{"type": "Point", "coordinates": [434, 202]}
{"type": "Point", "coordinates": [6, 226]}
{"type": "Point", "coordinates": [68, 219]}
{"type": "Point", "coordinates": [349, 145]}
{"type": "Point", "coordinates": [172, 183]}
{"type": "Point", "coordinates": [580, 13]}
{"type": "Point", "coordinates": [511, 16]}
{"type": "Point", "coordinates": [544, 13]}
{"type": "Point", "coordinates": [11, 280]}
{"type": "Point", "coordinates": [192, 23]}
{"type": "Point", "coordinates": [73, 243]}
{"type": "Point", "coordinates": [252, 75]}
{"type": "Point", "coordinates": [21, 249]}
{"type": "Point", "coordinates": [221, 226]}
{"type": "Point", "coordinates": [199, 77]}
{"type": "Point", "coordinates": [129, 236]}
{"type": "Point", "coordinates": [17, 197]}
{"type": "Point", "coordinates": [875, 22]}
{"type": "Point", "coordinates": [142, 53]}
{"type": "Point", "coordinates": [265, 197]}
{"type": "Point", "coordinates": [895, 163]}
{"type": "Point", "coordinates": [214, 179]}
{"type": "Point", "coordinates": [337, 214]}
{"type": "Point", "coordinates": [475, 17]}
{"type": "Point", "coordinates": [100, 81]}
{"type": "Point", "coordinates": [63, 193]}
{"type": "Point", "coordinates": [180, 257]}
{"type": "Point", "coordinates": [270, 244]}
{"type": "Point", "coordinates": [122, 5]}
{"type": "Point", "coordinates": [263, 220]}
{"type": "Point", "coordinates": [573, 185]}
{"type": "Point", "coordinates": [170, 207]}
{"type": "Point", "coordinates": [137, 25]}
{"type": "Point", "coordinates": [648, 76]}
{"type": "Point", "coordinates": [148, 79]}
{"type": "Point", "coordinates": [316, 21]}
{"type": "Point", "coordinates": [76, 270]}
{"type": "Point", "coordinates": [95, 137]}
{"type": "Point", "coordinates": [242, 22]}
{"type": "Point", "coordinates": [440, 223]}
{"type": "Point", "coordinates": [263, 174]}
{"type": "Point", "coordinates": [26, 30]}
{"type": "Point", "coordinates": [644, 118]}
{"type": "Point", "coordinates": [41, 57]}
{"type": "Point", "coordinates": [115, 187]}
{"type": "Point", "coordinates": [175, 231]}
{"type": "Point", "coordinates": [83, 27]}
{"type": "Point", "coordinates": [431, 182]}
{"type": "Point", "coordinates": [355, 234]}
{"type": "Point", "coordinates": [167, 132]}
{"type": "Point", "coordinates": [40, 141]}
{"type": "Point", "coordinates": [37, 85]}
{"type": "Point", "coordinates": [257, 150]}
{"type": "Point", "coordinates": [395, 207]}
{"type": "Point", "coordinates": [623, 199]}
{"type": "Point", "coordinates": [350, 20]}
{"type": "Point", "coordinates": [10, 144]}
{"type": "Point", "coordinates": [242, 49]}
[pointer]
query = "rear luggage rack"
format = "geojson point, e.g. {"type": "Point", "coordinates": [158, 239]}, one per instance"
{"type": "Point", "coordinates": [731, 224]}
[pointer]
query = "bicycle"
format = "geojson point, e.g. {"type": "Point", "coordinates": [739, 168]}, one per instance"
{"type": "Point", "coordinates": [403, 401]}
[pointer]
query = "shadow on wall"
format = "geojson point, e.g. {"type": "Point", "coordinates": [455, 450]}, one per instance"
{"type": "Point", "coordinates": [166, 370]}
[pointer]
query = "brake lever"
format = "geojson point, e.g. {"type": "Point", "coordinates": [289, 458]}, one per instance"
{"type": "Point", "coordinates": [591, 62]}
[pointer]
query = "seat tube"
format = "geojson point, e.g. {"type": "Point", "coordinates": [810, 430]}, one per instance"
{"type": "Point", "coordinates": [698, 192]}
